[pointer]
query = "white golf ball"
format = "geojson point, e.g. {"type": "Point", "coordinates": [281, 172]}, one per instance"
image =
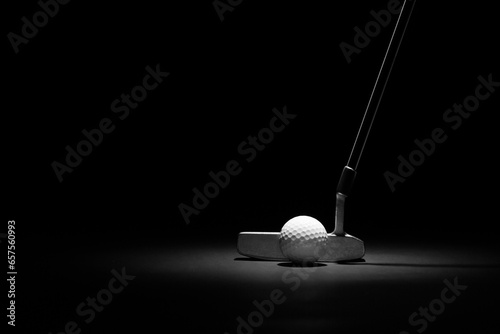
{"type": "Point", "coordinates": [303, 239]}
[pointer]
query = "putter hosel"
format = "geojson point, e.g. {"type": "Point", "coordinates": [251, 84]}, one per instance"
{"type": "Point", "coordinates": [346, 181]}
{"type": "Point", "coordinates": [343, 190]}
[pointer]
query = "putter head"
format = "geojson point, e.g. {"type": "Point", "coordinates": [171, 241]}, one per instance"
{"type": "Point", "coordinates": [340, 246]}
{"type": "Point", "coordinates": [265, 246]}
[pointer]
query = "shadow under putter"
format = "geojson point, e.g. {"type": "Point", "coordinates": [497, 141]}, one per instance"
{"type": "Point", "coordinates": [340, 246]}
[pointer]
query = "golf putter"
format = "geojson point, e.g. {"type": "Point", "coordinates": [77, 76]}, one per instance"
{"type": "Point", "coordinates": [340, 246]}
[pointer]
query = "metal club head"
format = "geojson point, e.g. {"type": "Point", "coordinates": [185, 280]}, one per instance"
{"type": "Point", "coordinates": [265, 246]}
{"type": "Point", "coordinates": [339, 245]}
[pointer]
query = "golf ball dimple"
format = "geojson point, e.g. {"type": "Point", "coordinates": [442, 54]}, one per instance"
{"type": "Point", "coordinates": [303, 239]}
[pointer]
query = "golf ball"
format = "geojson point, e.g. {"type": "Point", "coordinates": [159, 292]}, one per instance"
{"type": "Point", "coordinates": [303, 239]}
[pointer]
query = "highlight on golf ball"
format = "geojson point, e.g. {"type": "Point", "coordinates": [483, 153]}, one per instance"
{"type": "Point", "coordinates": [303, 239]}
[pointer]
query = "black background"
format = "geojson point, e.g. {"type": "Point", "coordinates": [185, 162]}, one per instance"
{"type": "Point", "coordinates": [225, 79]}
